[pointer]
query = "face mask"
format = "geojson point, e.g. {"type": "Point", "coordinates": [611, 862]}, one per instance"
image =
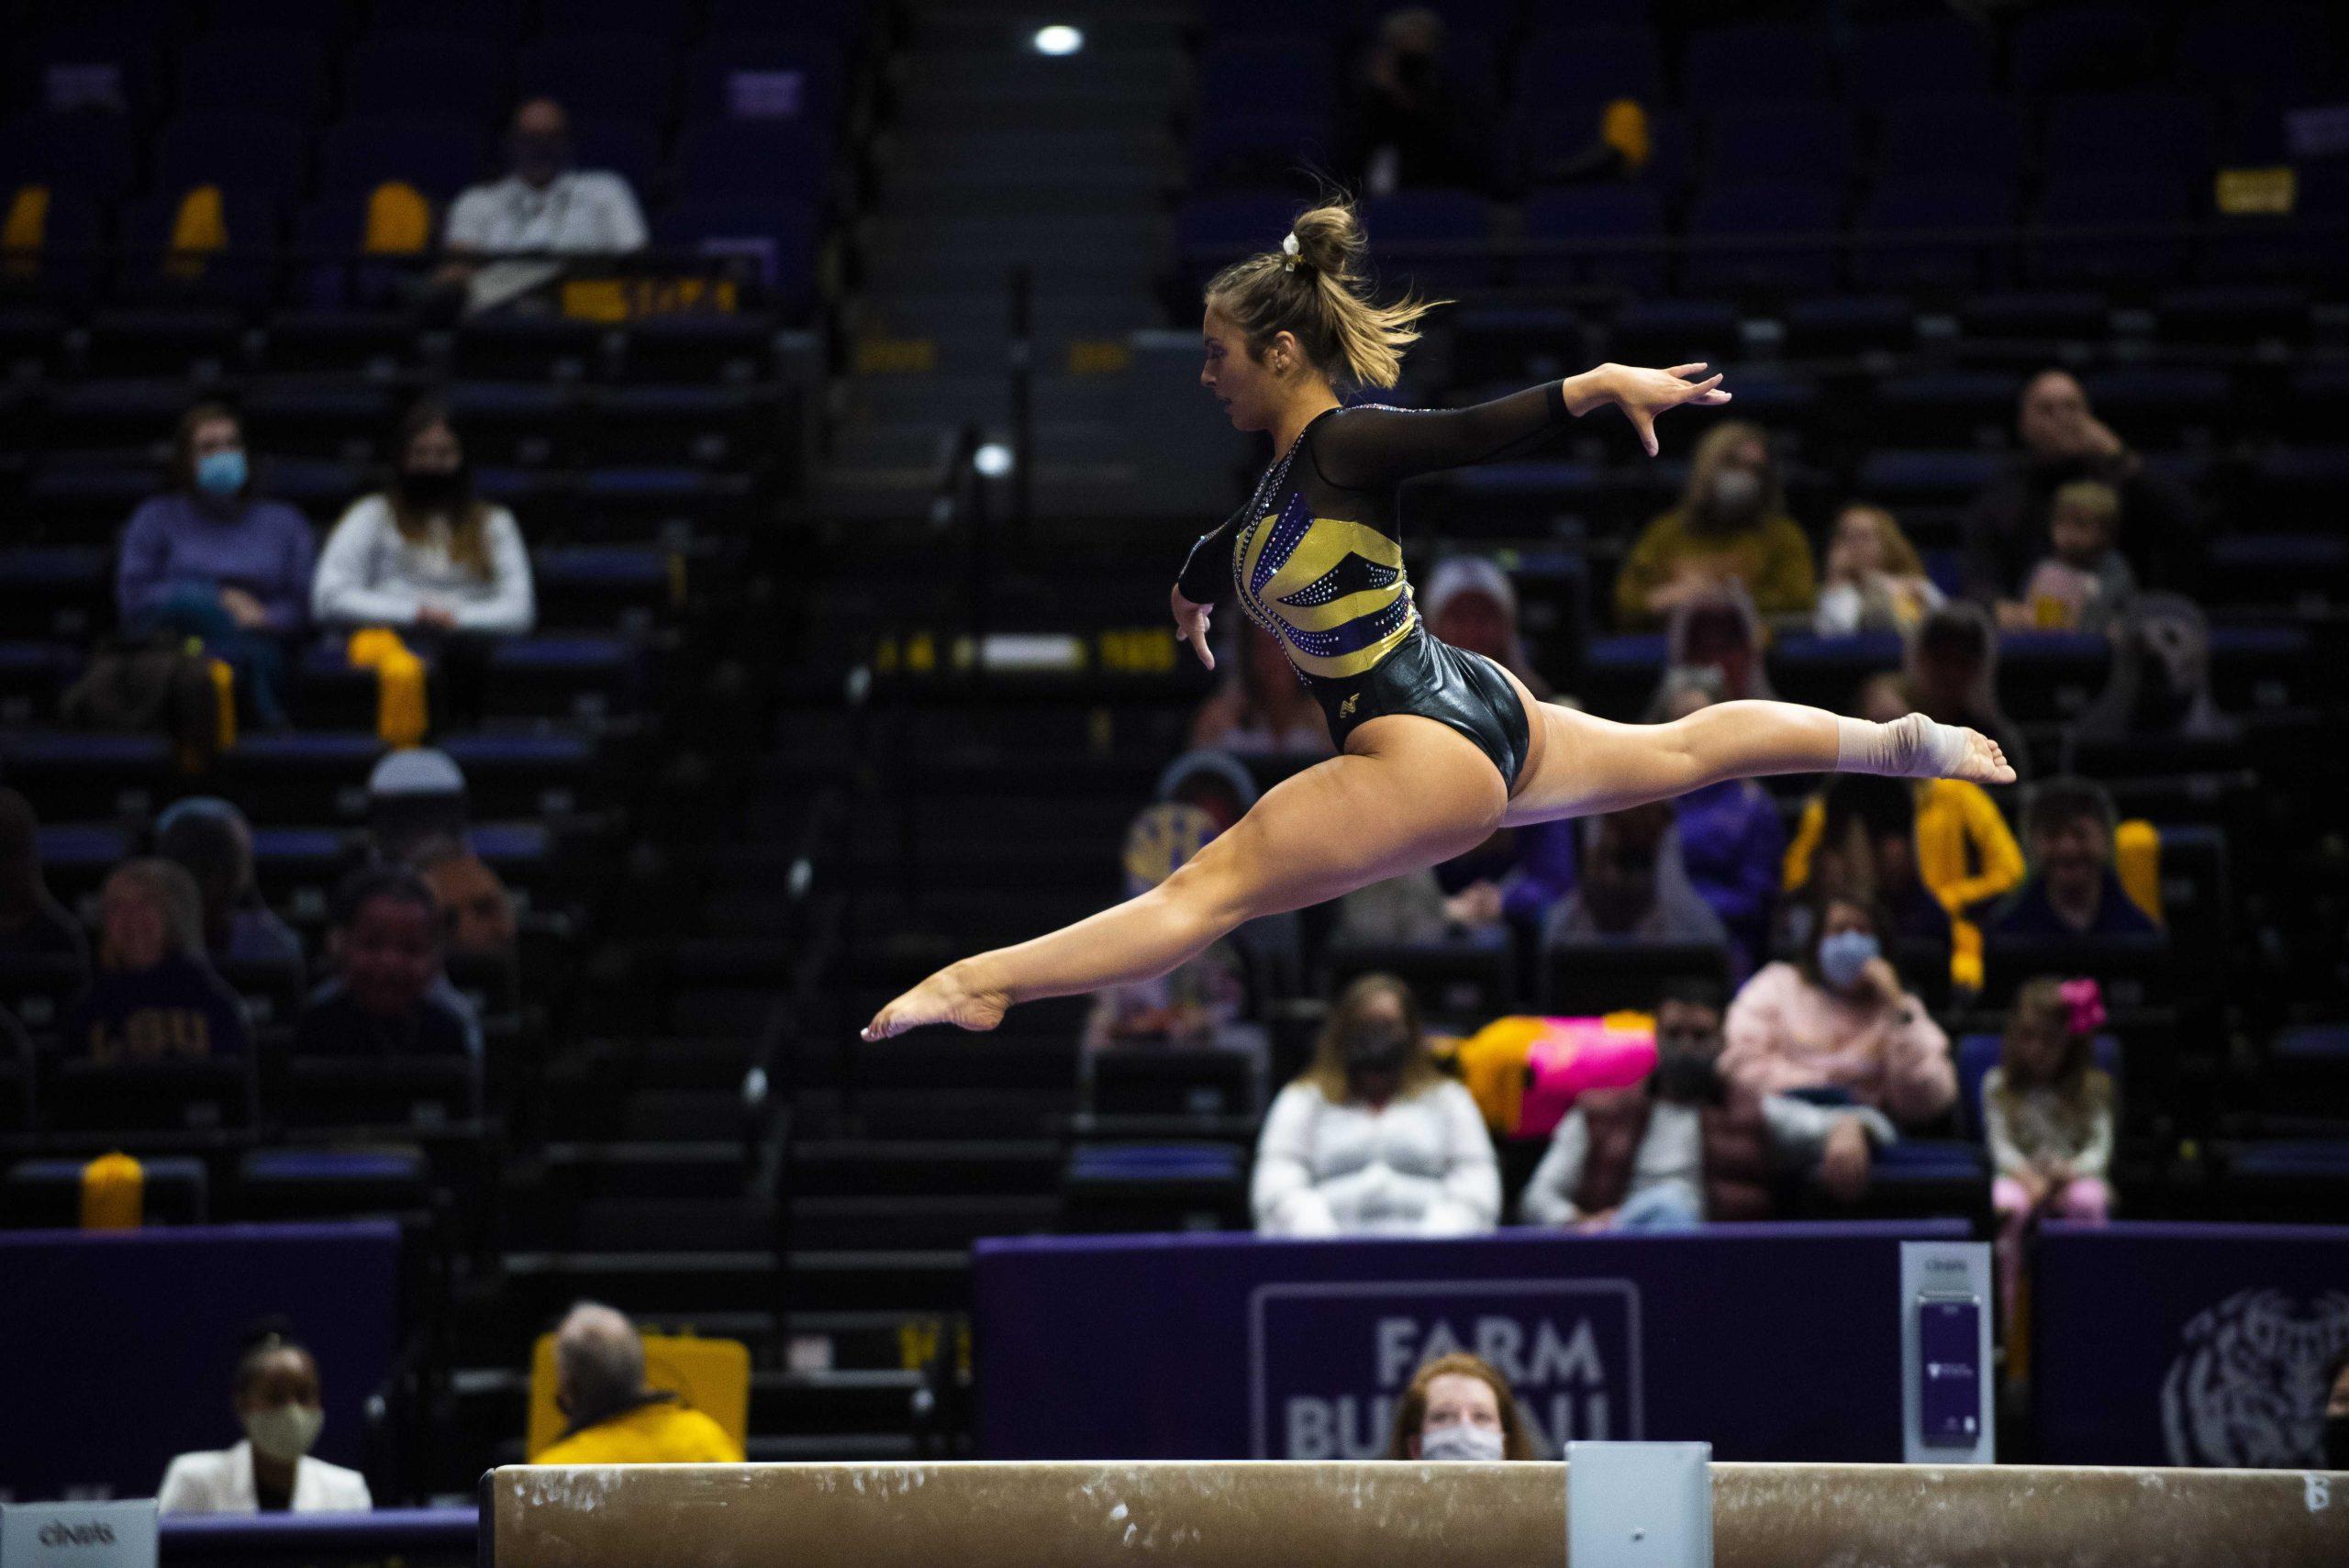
{"type": "Point", "coordinates": [1686, 1075]}
{"type": "Point", "coordinates": [220, 473]}
{"type": "Point", "coordinates": [1843, 956]}
{"type": "Point", "coordinates": [1736, 491]}
{"type": "Point", "coordinates": [1377, 1048]}
{"type": "Point", "coordinates": [432, 487]}
{"type": "Point", "coordinates": [284, 1432]}
{"type": "Point", "coordinates": [1461, 1441]}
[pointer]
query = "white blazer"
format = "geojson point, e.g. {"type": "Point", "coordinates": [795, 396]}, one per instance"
{"type": "Point", "coordinates": [222, 1483]}
{"type": "Point", "coordinates": [1423, 1166]}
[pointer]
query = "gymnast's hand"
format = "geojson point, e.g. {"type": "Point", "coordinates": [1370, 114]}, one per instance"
{"type": "Point", "coordinates": [1644, 393]}
{"type": "Point", "coordinates": [1191, 625]}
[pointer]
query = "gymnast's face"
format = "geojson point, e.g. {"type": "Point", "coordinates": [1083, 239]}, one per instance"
{"type": "Point", "coordinates": [1248, 389]}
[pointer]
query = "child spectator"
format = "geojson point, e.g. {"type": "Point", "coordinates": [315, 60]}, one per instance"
{"type": "Point", "coordinates": [210, 840]}
{"type": "Point", "coordinates": [1731, 526]}
{"type": "Point", "coordinates": [32, 924]}
{"type": "Point", "coordinates": [2085, 583]}
{"type": "Point", "coordinates": [1371, 1138]}
{"type": "Point", "coordinates": [1458, 1406]}
{"type": "Point", "coordinates": [2071, 891]}
{"type": "Point", "coordinates": [1875, 580]}
{"type": "Point", "coordinates": [1840, 1019]}
{"type": "Point", "coordinates": [154, 998]}
{"type": "Point", "coordinates": [2047, 1112]}
{"type": "Point", "coordinates": [389, 995]}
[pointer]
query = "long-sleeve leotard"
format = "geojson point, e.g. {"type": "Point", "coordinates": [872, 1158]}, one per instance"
{"type": "Point", "coordinates": [1321, 564]}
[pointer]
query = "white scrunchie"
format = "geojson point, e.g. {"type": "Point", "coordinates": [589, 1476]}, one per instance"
{"type": "Point", "coordinates": [1289, 249]}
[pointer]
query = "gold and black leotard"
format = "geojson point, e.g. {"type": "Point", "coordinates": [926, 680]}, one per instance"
{"type": "Point", "coordinates": [1316, 558]}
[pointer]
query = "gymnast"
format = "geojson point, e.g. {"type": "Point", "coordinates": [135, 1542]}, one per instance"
{"type": "Point", "coordinates": [1438, 747]}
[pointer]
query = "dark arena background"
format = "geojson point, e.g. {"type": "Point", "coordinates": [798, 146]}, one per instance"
{"type": "Point", "coordinates": [556, 556]}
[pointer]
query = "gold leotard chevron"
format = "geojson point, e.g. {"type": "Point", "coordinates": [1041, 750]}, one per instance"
{"type": "Point", "coordinates": [1332, 591]}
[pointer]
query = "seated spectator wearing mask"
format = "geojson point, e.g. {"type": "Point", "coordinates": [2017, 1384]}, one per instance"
{"type": "Point", "coordinates": [2071, 891]}
{"type": "Point", "coordinates": [389, 995]}
{"type": "Point", "coordinates": [1633, 887]}
{"type": "Point", "coordinates": [1731, 526]}
{"type": "Point", "coordinates": [1410, 122]}
{"type": "Point", "coordinates": [211, 840]}
{"type": "Point", "coordinates": [1371, 1139]}
{"type": "Point", "coordinates": [1732, 841]}
{"type": "Point", "coordinates": [427, 554]}
{"type": "Point", "coordinates": [1458, 1407]}
{"type": "Point", "coordinates": [32, 924]}
{"type": "Point", "coordinates": [1952, 672]}
{"type": "Point", "coordinates": [1686, 1145]}
{"type": "Point", "coordinates": [275, 1396]}
{"type": "Point", "coordinates": [1875, 580]}
{"type": "Point", "coordinates": [154, 998]}
{"type": "Point", "coordinates": [2006, 526]}
{"type": "Point", "coordinates": [615, 1419]}
{"type": "Point", "coordinates": [1839, 1019]}
{"type": "Point", "coordinates": [544, 205]}
{"type": "Point", "coordinates": [209, 559]}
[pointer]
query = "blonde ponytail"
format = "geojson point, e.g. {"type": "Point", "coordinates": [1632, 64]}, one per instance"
{"type": "Point", "coordinates": [1315, 288]}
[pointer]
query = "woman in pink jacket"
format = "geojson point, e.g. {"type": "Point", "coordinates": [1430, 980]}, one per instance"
{"type": "Point", "coordinates": [1840, 1019]}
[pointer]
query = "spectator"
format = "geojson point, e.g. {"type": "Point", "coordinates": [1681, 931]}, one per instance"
{"type": "Point", "coordinates": [32, 924]}
{"type": "Point", "coordinates": [1634, 887]}
{"type": "Point", "coordinates": [416, 800]}
{"type": "Point", "coordinates": [2007, 524]}
{"type": "Point", "coordinates": [426, 554]}
{"type": "Point", "coordinates": [615, 1419]}
{"type": "Point", "coordinates": [1839, 1019]}
{"type": "Point", "coordinates": [2161, 676]}
{"type": "Point", "coordinates": [2085, 584]}
{"type": "Point", "coordinates": [211, 840]}
{"type": "Point", "coordinates": [389, 995]}
{"type": "Point", "coordinates": [1875, 580]}
{"type": "Point", "coordinates": [154, 998]}
{"type": "Point", "coordinates": [477, 910]}
{"type": "Point", "coordinates": [2071, 891]}
{"type": "Point", "coordinates": [1686, 1145]}
{"type": "Point", "coordinates": [1261, 708]}
{"type": "Point", "coordinates": [1469, 602]}
{"type": "Point", "coordinates": [208, 559]}
{"type": "Point", "coordinates": [1720, 631]}
{"type": "Point", "coordinates": [1732, 841]}
{"type": "Point", "coordinates": [544, 207]}
{"type": "Point", "coordinates": [1203, 996]}
{"type": "Point", "coordinates": [1731, 526]}
{"type": "Point", "coordinates": [1411, 121]}
{"type": "Point", "coordinates": [1952, 674]}
{"type": "Point", "coordinates": [2047, 1112]}
{"type": "Point", "coordinates": [1458, 1406]}
{"type": "Point", "coordinates": [275, 1396]}
{"type": "Point", "coordinates": [1371, 1139]}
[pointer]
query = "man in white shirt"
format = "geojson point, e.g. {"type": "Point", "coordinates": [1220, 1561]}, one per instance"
{"type": "Point", "coordinates": [544, 205]}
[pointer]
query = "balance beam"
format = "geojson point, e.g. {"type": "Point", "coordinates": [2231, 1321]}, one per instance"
{"type": "Point", "coordinates": [1292, 1514]}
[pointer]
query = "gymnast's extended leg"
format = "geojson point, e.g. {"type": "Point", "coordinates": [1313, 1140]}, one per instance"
{"type": "Point", "coordinates": [1407, 793]}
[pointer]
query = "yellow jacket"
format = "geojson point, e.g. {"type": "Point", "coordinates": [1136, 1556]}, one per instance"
{"type": "Point", "coordinates": [661, 1433]}
{"type": "Point", "coordinates": [1965, 853]}
{"type": "Point", "coordinates": [1772, 558]}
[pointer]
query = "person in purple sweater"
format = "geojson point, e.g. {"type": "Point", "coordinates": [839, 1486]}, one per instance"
{"type": "Point", "coordinates": [1732, 840]}
{"type": "Point", "coordinates": [208, 559]}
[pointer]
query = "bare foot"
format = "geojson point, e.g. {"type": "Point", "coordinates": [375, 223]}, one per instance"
{"type": "Point", "coordinates": [952, 995]}
{"type": "Point", "coordinates": [1984, 762]}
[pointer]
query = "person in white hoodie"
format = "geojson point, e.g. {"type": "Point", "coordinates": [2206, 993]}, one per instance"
{"type": "Point", "coordinates": [426, 554]}
{"type": "Point", "coordinates": [1371, 1139]}
{"type": "Point", "coordinates": [276, 1401]}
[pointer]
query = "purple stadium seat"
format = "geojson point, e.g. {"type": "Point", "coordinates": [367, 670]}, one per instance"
{"type": "Point", "coordinates": [263, 73]}
{"type": "Point", "coordinates": [438, 157]}
{"type": "Point", "coordinates": [1213, 230]}
{"type": "Point", "coordinates": [713, 71]}
{"type": "Point", "coordinates": [2152, 132]}
{"type": "Point", "coordinates": [1754, 62]}
{"type": "Point", "coordinates": [89, 154]}
{"type": "Point", "coordinates": [1590, 65]}
{"type": "Point", "coordinates": [2271, 48]}
{"type": "Point", "coordinates": [2065, 47]}
{"type": "Point", "coordinates": [631, 148]}
{"type": "Point", "coordinates": [573, 17]}
{"type": "Point", "coordinates": [260, 153]}
{"type": "Point", "coordinates": [754, 159]}
{"type": "Point", "coordinates": [1913, 57]}
{"type": "Point", "coordinates": [1294, 75]}
{"type": "Point", "coordinates": [89, 68]}
{"type": "Point", "coordinates": [1780, 141]}
{"type": "Point", "coordinates": [2108, 198]}
{"type": "Point", "coordinates": [1764, 210]}
{"type": "Point", "coordinates": [1968, 137]}
{"type": "Point", "coordinates": [1254, 150]}
{"type": "Point", "coordinates": [396, 75]}
{"type": "Point", "coordinates": [1908, 207]}
{"type": "Point", "coordinates": [241, 273]}
{"type": "Point", "coordinates": [1406, 218]}
{"type": "Point", "coordinates": [600, 76]}
{"type": "Point", "coordinates": [1596, 213]}
{"type": "Point", "coordinates": [326, 24]}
